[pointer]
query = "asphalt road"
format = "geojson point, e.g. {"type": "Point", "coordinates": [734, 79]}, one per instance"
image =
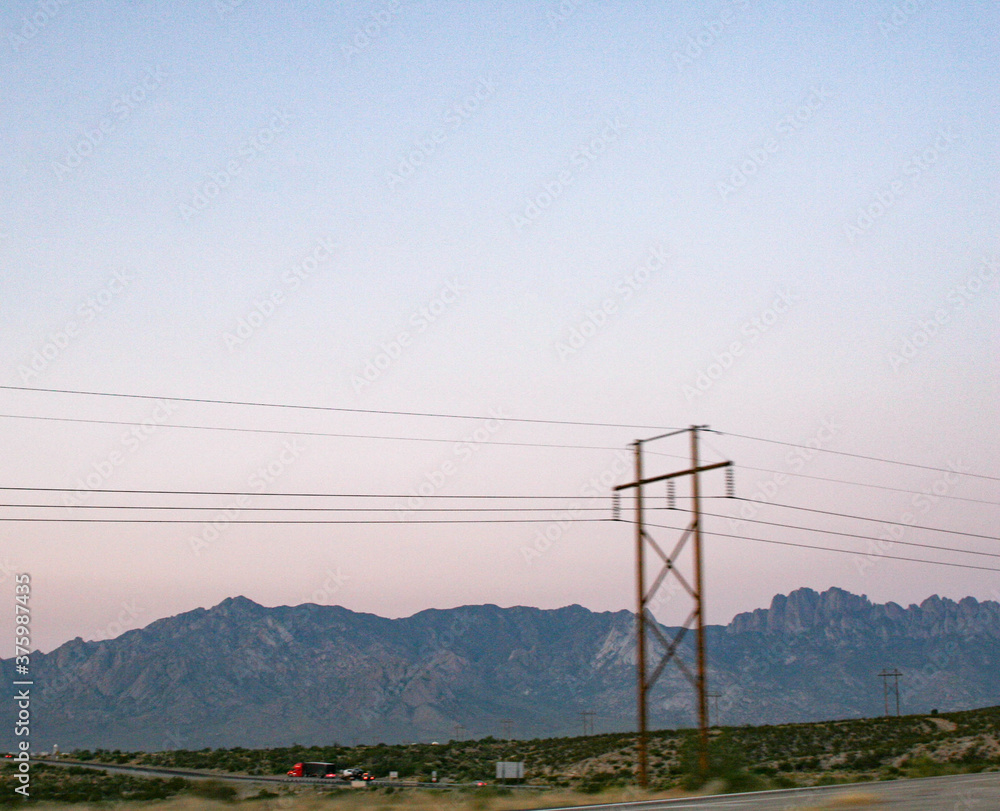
{"type": "Point", "coordinates": [193, 774]}
{"type": "Point", "coordinates": [967, 792]}
{"type": "Point", "coordinates": [153, 771]}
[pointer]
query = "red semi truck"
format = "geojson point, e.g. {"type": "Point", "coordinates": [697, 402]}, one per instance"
{"type": "Point", "coordinates": [328, 771]}
{"type": "Point", "coordinates": [313, 769]}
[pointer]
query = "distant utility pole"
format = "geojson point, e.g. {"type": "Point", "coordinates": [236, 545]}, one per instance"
{"type": "Point", "coordinates": [587, 718]}
{"type": "Point", "coordinates": [715, 700]}
{"type": "Point", "coordinates": [459, 732]}
{"type": "Point", "coordinates": [885, 675]}
{"type": "Point", "coordinates": [508, 725]}
{"type": "Point", "coordinates": [643, 617]}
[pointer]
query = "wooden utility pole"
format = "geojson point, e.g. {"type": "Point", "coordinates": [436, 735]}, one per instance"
{"type": "Point", "coordinates": [645, 622]}
{"type": "Point", "coordinates": [640, 621]}
{"type": "Point", "coordinates": [699, 587]}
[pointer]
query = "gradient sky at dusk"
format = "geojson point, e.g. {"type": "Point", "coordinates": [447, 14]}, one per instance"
{"type": "Point", "coordinates": [779, 220]}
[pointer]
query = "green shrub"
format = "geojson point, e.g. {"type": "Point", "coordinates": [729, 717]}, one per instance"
{"type": "Point", "coordinates": [213, 790]}
{"type": "Point", "coordinates": [263, 794]}
{"type": "Point", "coordinates": [744, 781]}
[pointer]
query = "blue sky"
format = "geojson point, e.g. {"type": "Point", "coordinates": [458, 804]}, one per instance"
{"type": "Point", "coordinates": [769, 218]}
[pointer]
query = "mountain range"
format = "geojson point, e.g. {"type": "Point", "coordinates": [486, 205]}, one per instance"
{"type": "Point", "coordinates": [241, 674]}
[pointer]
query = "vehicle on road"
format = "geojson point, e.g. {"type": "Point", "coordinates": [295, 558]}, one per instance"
{"type": "Point", "coordinates": [314, 769]}
{"type": "Point", "coordinates": [356, 773]}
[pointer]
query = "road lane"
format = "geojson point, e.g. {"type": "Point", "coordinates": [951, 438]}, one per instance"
{"type": "Point", "coordinates": [967, 792]}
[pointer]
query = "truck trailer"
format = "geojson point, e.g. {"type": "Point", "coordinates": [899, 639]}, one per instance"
{"type": "Point", "coordinates": [314, 769]}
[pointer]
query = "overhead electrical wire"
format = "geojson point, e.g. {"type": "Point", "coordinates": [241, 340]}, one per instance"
{"type": "Point", "coordinates": [834, 549]}
{"type": "Point", "coordinates": [505, 443]}
{"type": "Point", "coordinates": [860, 456]}
{"type": "Point", "coordinates": [370, 522]}
{"type": "Point", "coordinates": [498, 521]}
{"type": "Point", "coordinates": [872, 520]}
{"type": "Point", "coordinates": [557, 508]}
{"type": "Point", "coordinates": [14, 519]}
{"type": "Point", "coordinates": [502, 521]}
{"type": "Point", "coordinates": [154, 507]}
{"type": "Point", "coordinates": [470, 440]}
{"type": "Point", "coordinates": [255, 494]}
{"type": "Point", "coordinates": [491, 496]}
{"type": "Point", "coordinates": [560, 508]}
{"type": "Point", "coordinates": [382, 412]}
{"type": "Point", "coordinates": [862, 537]}
{"type": "Point", "coordinates": [476, 520]}
{"type": "Point", "coordinates": [867, 484]}
{"type": "Point", "coordinates": [445, 415]}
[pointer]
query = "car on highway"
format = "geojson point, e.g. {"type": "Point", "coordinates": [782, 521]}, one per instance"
{"type": "Point", "coordinates": [356, 773]}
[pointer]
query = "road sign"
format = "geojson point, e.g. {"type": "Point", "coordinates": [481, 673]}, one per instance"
{"type": "Point", "coordinates": [510, 770]}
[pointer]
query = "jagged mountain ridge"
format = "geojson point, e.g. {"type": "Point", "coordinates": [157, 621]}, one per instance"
{"type": "Point", "coordinates": [240, 674]}
{"type": "Point", "coordinates": [838, 612]}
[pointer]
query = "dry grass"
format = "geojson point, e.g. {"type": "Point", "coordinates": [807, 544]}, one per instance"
{"type": "Point", "coordinates": [853, 800]}
{"type": "Point", "coordinates": [417, 800]}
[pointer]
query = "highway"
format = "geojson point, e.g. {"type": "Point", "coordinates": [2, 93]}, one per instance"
{"type": "Point", "coordinates": [190, 774]}
{"type": "Point", "coordinates": [967, 792]}
{"type": "Point", "coordinates": [194, 774]}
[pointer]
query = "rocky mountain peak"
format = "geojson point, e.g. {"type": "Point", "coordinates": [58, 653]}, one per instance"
{"type": "Point", "coordinates": [838, 613]}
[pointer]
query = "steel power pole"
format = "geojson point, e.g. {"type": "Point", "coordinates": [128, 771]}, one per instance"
{"type": "Point", "coordinates": [715, 700]}
{"type": "Point", "coordinates": [645, 622]}
{"type": "Point", "coordinates": [885, 675]}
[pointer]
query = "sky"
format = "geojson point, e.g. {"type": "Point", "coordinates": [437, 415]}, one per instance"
{"type": "Point", "coordinates": [553, 224]}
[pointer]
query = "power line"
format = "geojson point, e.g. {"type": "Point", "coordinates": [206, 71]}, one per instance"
{"type": "Point", "coordinates": [137, 423]}
{"type": "Point", "coordinates": [561, 508]}
{"type": "Point", "coordinates": [866, 484]}
{"type": "Point", "coordinates": [383, 412]}
{"type": "Point", "coordinates": [446, 415]}
{"type": "Point", "coordinates": [279, 495]}
{"type": "Point", "coordinates": [479, 521]}
{"type": "Point", "coordinates": [297, 521]}
{"type": "Point", "coordinates": [860, 456]}
{"type": "Point", "coordinates": [283, 432]}
{"type": "Point", "coordinates": [872, 520]}
{"type": "Point", "coordinates": [861, 537]}
{"type": "Point", "coordinates": [838, 550]}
